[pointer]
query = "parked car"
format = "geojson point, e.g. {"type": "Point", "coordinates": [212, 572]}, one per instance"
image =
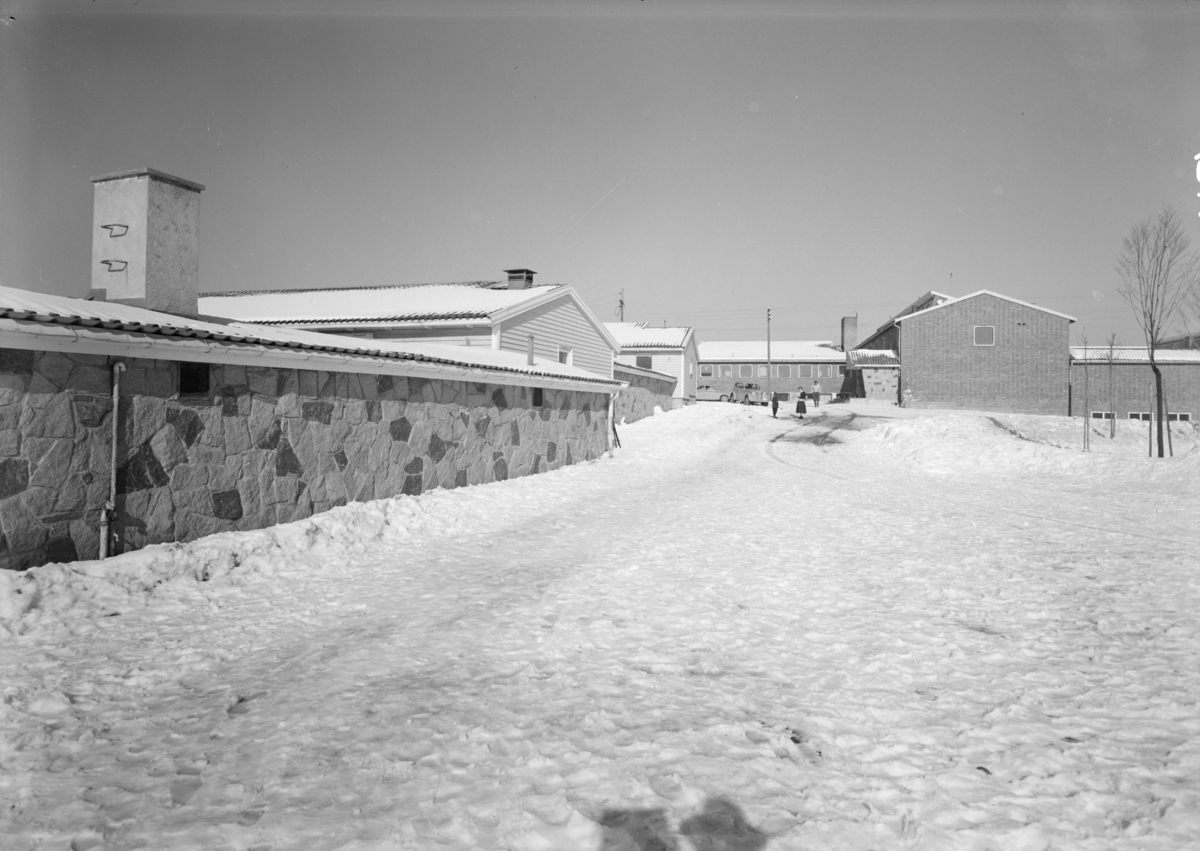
{"type": "Point", "coordinates": [708, 393]}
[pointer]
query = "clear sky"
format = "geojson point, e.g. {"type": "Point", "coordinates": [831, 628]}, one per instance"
{"type": "Point", "coordinates": [711, 159]}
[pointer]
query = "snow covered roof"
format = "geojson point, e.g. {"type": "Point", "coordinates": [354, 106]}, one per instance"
{"type": "Point", "coordinates": [951, 301]}
{"type": "Point", "coordinates": [635, 335]}
{"type": "Point", "coordinates": [29, 314]}
{"type": "Point", "coordinates": [1189, 339]}
{"type": "Point", "coordinates": [872, 357]}
{"type": "Point", "coordinates": [461, 302]}
{"type": "Point", "coordinates": [1134, 354]}
{"type": "Point", "coordinates": [781, 350]}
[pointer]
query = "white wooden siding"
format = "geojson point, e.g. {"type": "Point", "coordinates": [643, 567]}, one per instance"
{"type": "Point", "coordinates": [691, 369]}
{"type": "Point", "coordinates": [559, 323]}
{"type": "Point", "coordinates": [674, 363]}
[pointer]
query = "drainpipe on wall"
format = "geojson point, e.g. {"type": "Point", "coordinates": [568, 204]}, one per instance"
{"type": "Point", "coordinates": [110, 507]}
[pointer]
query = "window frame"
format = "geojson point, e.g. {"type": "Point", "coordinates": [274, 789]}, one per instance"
{"type": "Point", "coordinates": [709, 367]}
{"type": "Point", "coordinates": [975, 335]}
{"type": "Point", "coordinates": [190, 366]}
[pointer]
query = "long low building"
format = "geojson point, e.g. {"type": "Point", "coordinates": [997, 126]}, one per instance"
{"type": "Point", "coordinates": [1118, 382]}
{"type": "Point", "coordinates": [741, 370]}
{"type": "Point", "coordinates": [122, 427]}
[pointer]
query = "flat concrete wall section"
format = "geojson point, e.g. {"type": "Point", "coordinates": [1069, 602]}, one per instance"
{"type": "Point", "coordinates": [261, 446]}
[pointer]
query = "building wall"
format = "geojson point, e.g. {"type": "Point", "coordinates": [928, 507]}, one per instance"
{"type": "Point", "coordinates": [690, 371]}
{"type": "Point", "coordinates": [263, 446]}
{"type": "Point", "coordinates": [644, 393]}
{"type": "Point", "coordinates": [1133, 388]}
{"type": "Point", "coordinates": [1026, 371]}
{"type": "Point", "coordinates": [670, 362]}
{"type": "Point", "coordinates": [799, 378]}
{"type": "Point", "coordinates": [874, 385]}
{"type": "Point", "coordinates": [559, 322]}
{"type": "Point", "coordinates": [889, 339]}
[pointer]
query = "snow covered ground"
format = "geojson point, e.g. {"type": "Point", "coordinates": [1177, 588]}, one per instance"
{"type": "Point", "coordinates": [869, 629]}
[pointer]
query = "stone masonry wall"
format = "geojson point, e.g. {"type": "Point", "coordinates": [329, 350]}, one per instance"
{"type": "Point", "coordinates": [639, 399]}
{"type": "Point", "coordinates": [263, 446]}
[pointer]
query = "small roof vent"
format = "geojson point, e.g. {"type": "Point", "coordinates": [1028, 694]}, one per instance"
{"type": "Point", "coordinates": [520, 279]}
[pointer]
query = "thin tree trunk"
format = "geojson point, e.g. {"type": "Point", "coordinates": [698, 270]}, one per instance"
{"type": "Point", "coordinates": [1158, 405]}
{"type": "Point", "coordinates": [1167, 417]}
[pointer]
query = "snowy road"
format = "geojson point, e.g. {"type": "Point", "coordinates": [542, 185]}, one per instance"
{"type": "Point", "coordinates": [854, 631]}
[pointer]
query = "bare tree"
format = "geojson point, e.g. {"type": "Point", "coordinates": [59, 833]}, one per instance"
{"type": "Point", "coordinates": [1110, 358]}
{"type": "Point", "coordinates": [1157, 270]}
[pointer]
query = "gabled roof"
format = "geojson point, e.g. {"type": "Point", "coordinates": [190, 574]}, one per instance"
{"type": "Point", "coordinates": [1133, 355]}
{"type": "Point", "coordinates": [781, 350]}
{"type": "Point", "coordinates": [45, 315]}
{"type": "Point", "coordinates": [933, 297]}
{"type": "Point", "coordinates": [635, 335]}
{"type": "Point", "coordinates": [463, 302]}
{"type": "Point", "coordinates": [985, 292]}
{"type": "Point", "coordinates": [871, 357]}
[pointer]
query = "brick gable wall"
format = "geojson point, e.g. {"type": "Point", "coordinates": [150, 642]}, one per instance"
{"type": "Point", "coordinates": [1026, 371]}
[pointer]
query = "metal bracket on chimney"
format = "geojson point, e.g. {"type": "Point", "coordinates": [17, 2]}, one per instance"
{"type": "Point", "coordinates": [116, 230]}
{"type": "Point", "coordinates": [115, 265]}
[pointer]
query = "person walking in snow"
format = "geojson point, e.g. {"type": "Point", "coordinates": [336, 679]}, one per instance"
{"type": "Point", "coordinates": [774, 404]}
{"type": "Point", "coordinates": [816, 394]}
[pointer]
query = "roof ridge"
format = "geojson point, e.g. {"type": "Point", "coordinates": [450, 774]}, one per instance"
{"type": "Point", "coordinates": [286, 290]}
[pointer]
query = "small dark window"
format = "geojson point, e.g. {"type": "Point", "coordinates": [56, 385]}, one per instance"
{"type": "Point", "coordinates": [985, 335]}
{"type": "Point", "coordinates": [645, 361]}
{"type": "Point", "coordinates": [537, 397]}
{"type": "Point", "coordinates": [193, 379]}
{"type": "Point", "coordinates": [706, 370]}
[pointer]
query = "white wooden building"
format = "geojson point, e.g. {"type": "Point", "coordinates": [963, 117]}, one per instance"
{"type": "Point", "coordinates": [501, 315]}
{"type": "Point", "coordinates": [671, 351]}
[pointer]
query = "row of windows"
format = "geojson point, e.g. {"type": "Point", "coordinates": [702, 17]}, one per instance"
{"type": "Point", "coordinates": [1144, 416]}
{"type": "Point", "coordinates": [778, 370]}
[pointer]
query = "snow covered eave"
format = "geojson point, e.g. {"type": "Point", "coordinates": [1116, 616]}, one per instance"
{"type": "Point", "coordinates": [39, 336]}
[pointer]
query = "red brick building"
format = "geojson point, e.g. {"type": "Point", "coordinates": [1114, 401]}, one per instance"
{"type": "Point", "coordinates": [983, 351]}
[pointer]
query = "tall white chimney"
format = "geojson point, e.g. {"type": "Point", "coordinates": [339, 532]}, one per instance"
{"type": "Point", "coordinates": [146, 240]}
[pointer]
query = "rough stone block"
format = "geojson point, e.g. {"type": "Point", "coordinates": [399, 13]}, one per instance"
{"type": "Point", "coordinates": [91, 378]}
{"type": "Point", "coordinates": [50, 459]}
{"type": "Point", "coordinates": [189, 477]}
{"type": "Point", "coordinates": [21, 528]}
{"type": "Point", "coordinates": [237, 436]}
{"type": "Point", "coordinates": [13, 477]}
{"type": "Point", "coordinates": [168, 448]}
{"type": "Point", "coordinates": [262, 381]}
{"type": "Point", "coordinates": [140, 472]}
{"type": "Point", "coordinates": [286, 462]}
{"type": "Point", "coordinates": [227, 505]}
{"type": "Point", "coordinates": [16, 362]}
{"type": "Point", "coordinates": [186, 422]}
{"type": "Point", "coordinates": [317, 411]}
{"type": "Point", "coordinates": [52, 418]}
{"type": "Point", "coordinates": [91, 411]}
{"type": "Point", "coordinates": [10, 443]}
{"type": "Point", "coordinates": [140, 418]}
{"type": "Point", "coordinates": [161, 379]}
